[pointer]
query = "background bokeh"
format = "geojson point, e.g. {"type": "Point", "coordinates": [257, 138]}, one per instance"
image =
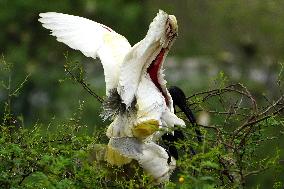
{"type": "Point", "coordinates": [243, 38]}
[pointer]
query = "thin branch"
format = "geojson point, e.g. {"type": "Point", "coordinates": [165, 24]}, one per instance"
{"type": "Point", "coordinates": [225, 113]}
{"type": "Point", "coordinates": [210, 91]}
{"type": "Point", "coordinates": [272, 106]}
{"type": "Point", "coordinates": [249, 123]}
{"type": "Point", "coordinates": [20, 86]}
{"type": "Point", "coordinates": [255, 172]}
{"type": "Point", "coordinates": [230, 88]}
{"type": "Point", "coordinates": [85, 86]}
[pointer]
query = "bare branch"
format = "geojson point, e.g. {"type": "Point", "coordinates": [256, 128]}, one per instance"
{"type": "Point", "coordinates": [85, 86]}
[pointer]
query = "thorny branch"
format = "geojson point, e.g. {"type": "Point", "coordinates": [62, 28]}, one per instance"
{"type": "Point", "coordinates": [219, 92]}
{"type": "Point", "coordinates": [241, 113]}
{"type": "Point", "coordinates": [84, 85]}
{"type": "Point", "coordinates": [240, 119]}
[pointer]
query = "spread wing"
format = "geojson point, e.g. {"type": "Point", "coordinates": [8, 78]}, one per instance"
{"type": "Point", "coordinates": [92, 39]}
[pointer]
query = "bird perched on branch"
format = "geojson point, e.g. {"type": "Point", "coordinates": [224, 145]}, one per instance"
{"type": "Point", "coordinates": [137, 100]}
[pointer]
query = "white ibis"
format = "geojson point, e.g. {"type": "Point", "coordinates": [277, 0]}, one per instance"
{"type": "Point", "coordinates": [137, 100]}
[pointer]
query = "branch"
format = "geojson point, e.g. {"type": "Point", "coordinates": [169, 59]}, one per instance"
{"type": "Point", "coordinates": [230, 88]}
{"type": "Point", "coordinates": [85, 86]}
{"type": "Point", "coordinates": [272, 105]}
{"type": "Point", "coordinates": [256, 171]}
{"type": "Point", "coordinates": [249, 123]}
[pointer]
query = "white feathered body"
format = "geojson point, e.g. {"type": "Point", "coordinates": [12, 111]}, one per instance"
{"type": "Point", "coordinates": [126, 72]}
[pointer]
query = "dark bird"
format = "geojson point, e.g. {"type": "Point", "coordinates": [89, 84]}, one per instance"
{"type": "Point", "coordinates": [179, 99]}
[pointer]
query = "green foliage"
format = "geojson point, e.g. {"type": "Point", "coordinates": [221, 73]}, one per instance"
{"type": "Point", "coordinates": [41, 158]}
{"type": "Point", "coordinates": [65, 155]}
{"type": "Point", "coordinates": [48, 125]}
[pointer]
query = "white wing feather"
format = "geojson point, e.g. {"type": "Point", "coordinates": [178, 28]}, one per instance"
{"type": "Point", "coordinates": [92, 39]}
{"type": "Point", "coordinates": [152, 157]}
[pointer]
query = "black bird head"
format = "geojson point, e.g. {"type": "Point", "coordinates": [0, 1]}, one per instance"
{"type": "Point", "coordinates": [179, 99]}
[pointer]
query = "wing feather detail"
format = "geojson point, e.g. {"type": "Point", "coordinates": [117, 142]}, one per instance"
{"type": "Point", "coordinates": [92, 39]}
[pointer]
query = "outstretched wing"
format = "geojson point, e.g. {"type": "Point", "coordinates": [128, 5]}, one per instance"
{"type": "Point", "coordinates": [92, 39]}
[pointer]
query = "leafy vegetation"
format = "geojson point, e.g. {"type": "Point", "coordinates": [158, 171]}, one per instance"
{"type": "Point", "coordinates": [66, 156]}
{"type": "Point", "coordinates": [51, 132]}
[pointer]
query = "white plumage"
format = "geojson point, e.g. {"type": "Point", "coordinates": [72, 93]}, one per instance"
{"type": "Point", "coordinates": [152, 157]}
{"type": "Point", "coordinates": [135, 74]}
{"type": "Point", "coordinates": [92, 39]}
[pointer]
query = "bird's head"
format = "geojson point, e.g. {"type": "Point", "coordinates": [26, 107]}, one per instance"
{"type": "Point", "coordinates": [146, 58]}
{"type": "Point", "coordinates": [173, 22]}
{"type": "Point", "coordinates": [164, 30]}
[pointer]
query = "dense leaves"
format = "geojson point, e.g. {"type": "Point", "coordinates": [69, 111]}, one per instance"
{"type": "Point", "coordinates": [47, 140]}
{"type": "Point", "coordinates": [65, 155]}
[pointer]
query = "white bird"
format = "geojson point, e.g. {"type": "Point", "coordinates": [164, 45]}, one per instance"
{"type": "Point", "coordinates": [152, 157]}
{"type": "Point", "coordinates": [136, 95]}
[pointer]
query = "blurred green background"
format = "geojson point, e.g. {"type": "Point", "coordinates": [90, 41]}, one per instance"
{"type": "Point", "coordinates": [243, 38]}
